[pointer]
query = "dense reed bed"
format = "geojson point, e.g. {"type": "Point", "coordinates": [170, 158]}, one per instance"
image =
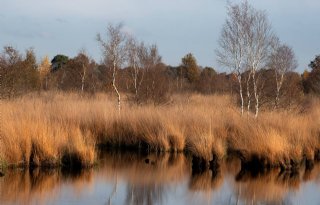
{"type": "Point", "coordinates": [53, 129]}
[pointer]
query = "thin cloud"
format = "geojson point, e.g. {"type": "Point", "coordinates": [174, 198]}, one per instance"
{"type": "Point", "coordinates": [61, 20]}
{"type": "Point", "coordinates": [177, 26]}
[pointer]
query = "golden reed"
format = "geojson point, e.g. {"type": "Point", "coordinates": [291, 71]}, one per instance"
{"type": "Point", "coordinates": [53, 129]}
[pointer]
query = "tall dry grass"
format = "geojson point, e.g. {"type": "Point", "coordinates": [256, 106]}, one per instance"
{"type": "Point", "coordinates": [55, 128]}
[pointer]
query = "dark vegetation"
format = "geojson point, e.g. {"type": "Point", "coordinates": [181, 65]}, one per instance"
{"type": "Point", "coordinates": [21, 75]}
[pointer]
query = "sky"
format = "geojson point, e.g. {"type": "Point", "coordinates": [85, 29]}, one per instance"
{"type": "Point", "coordinates": [178, 27]}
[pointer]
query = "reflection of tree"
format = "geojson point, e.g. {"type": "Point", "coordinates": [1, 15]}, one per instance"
{"type": "Point", "coordinates": [145, 194]}
{"type": "Point", "coordinates": [114, 191]}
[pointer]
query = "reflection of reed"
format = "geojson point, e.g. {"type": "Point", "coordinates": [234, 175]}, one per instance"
{"type": "Point", "coordinates": [147, 176]}
{"type": "Point", "coordinates": [149, 179]}
{"type": "Point", "coordinates": [145, 169]}
{"type": "Point", "coordinates": [232, 165]}
{"type": "Point", "coordinates": [269, 187]}
{"type": "Point", "coordinates": [312, 174]}
{"type": "Point", "coordinates": [212, 179]}
{"type": "Point", "coordinates": [37, 186]}
{"type": "Point", "coordinates": [207, 181]}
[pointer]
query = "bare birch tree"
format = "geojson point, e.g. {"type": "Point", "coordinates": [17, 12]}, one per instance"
{"type": "Point", "coordinates": [133, 61]}
{"type": "Point", "coordinates": [114, 51]}
{"type": "Point", "coordinates": [245, 44]}
{"type": "Point", "coordinates": [83, 76]}
{"type": "Point", "coordinates": [232, 45]}
{"type": "Point", "coordinates": [136, 56]}
{"type": "Point", "coordinates": [281, 62]}
{"type": "Point", "coordinates": [150, 58]}
{"type": "Point", "coordinates": [248, 80]}
{"type": "Point", "coordinates": [83, 72]}
{"type": "Point", "coordinates": [259, 44]}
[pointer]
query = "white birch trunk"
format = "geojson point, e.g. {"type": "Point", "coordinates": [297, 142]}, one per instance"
{"type": "Point", "coordinates": [248, 94]}
{"type": "Point", "coordinates": [279, 85]}
{"type": "Point", "coordinates": [115, 87]}
{"type": "Point", "coordinates": [241, 93]}
{"type": "Point", "coordinates": [256, 95]}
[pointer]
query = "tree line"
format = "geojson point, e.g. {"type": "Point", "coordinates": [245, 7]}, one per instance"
{"type": "Point", "coordinates": [261, 68]}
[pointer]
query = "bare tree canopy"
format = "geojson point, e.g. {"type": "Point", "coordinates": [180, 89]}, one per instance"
{"type": "Point", "coordinates": [113, 47]}
{"type": "Point", "coordinates": [232, 43]}
{"type": "Point", "coordinates": [281, 62]}
{"type": "Point", "coordinates": [245, 44]}
{"type": "Point", "coordinates": [114, 51]}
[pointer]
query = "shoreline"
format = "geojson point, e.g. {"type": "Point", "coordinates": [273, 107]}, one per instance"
{"type": "Point", "coordinates": [254, 164]}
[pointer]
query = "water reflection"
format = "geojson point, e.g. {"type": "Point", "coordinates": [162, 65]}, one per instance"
{"type": "Point", "coordinates": [21, 186]}
{"type": "Point", "coordinates": [147, 176]}
{"type": "Point", "coordinates": [272, 187]}
{"type": "Point", "coordinates": [138, 179]}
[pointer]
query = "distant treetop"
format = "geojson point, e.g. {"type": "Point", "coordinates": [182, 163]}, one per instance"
{"type": "Point", "coordinates": [58, 61]}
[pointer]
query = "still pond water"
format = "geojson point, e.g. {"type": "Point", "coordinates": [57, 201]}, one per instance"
{"type": "Point", "coordinates": [126, 178]}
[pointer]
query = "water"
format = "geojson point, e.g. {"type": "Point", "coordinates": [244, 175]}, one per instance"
{"type": "Point", "coordinates": [128, 178]}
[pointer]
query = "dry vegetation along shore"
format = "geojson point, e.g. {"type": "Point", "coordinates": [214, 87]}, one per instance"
{"type": "Point", "coordinates": [55, 129]}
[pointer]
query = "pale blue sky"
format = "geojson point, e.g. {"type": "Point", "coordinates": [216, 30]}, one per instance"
{"type": "Point", "coordinates": [176, 26]}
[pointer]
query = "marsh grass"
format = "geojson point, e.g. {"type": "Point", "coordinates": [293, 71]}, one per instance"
{"type": "Point", "coordinates": [54, 129]}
